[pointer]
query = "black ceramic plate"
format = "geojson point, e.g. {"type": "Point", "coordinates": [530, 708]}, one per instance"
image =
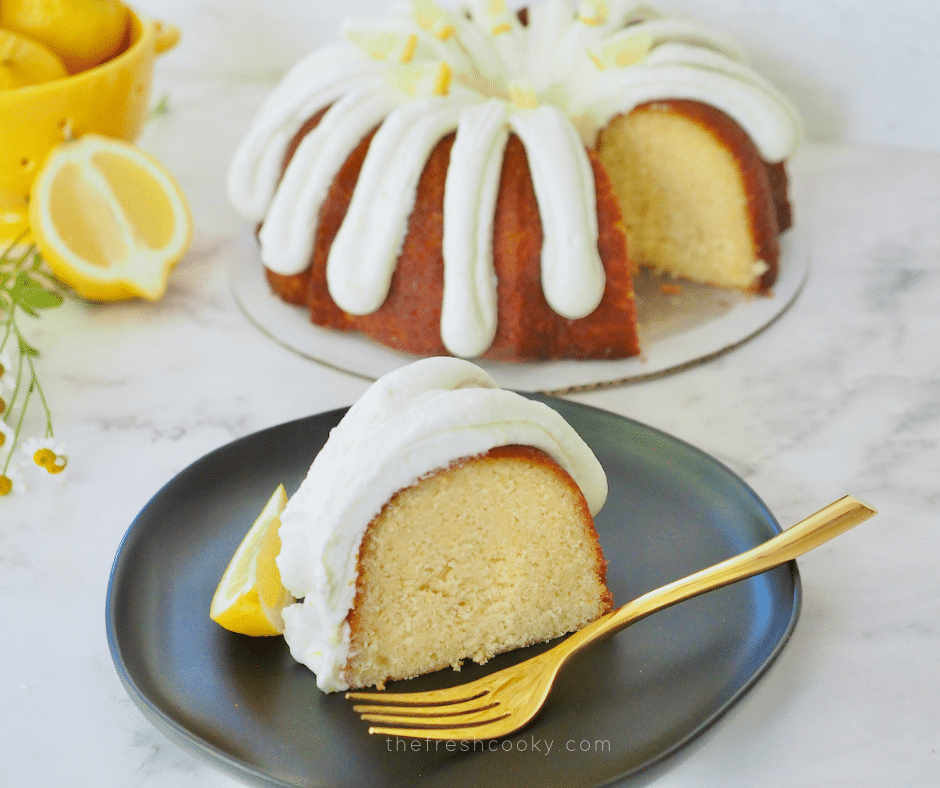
{"type": "Point", "coordinates": [243, 703]}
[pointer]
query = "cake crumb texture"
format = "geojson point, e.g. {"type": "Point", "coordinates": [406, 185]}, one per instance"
{"type": "Point", "coordinates": [491, 554]}
{"type": "Point", "coordinates": [694, 193]}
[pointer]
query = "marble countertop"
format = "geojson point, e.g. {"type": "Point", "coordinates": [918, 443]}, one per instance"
{"type": "Point", "coordinates": [840, 395]}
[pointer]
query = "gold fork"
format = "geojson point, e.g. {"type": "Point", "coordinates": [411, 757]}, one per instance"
{"type": "Point", "coordinates": [503, 702]}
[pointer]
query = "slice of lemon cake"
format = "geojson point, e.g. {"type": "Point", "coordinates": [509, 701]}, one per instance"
{"type": "Point", "coordinates": [445, 519]}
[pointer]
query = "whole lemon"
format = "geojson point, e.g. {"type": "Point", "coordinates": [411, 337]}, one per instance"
{"type": "Point", "coordinates": [83, 33]}
{"type": "Point", "coordinates": [26, 62]}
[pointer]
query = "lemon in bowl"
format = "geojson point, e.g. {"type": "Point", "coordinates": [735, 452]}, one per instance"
{"type": "Point", "coordinates": [111, 99]}
{"type": "Point", "coordinates": [83, 33]}
{"type": "Point", "coordinates": [24, 61]}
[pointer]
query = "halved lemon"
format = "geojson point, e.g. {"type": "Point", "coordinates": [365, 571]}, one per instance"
{"type": "Point", "coordinates": [250, 597]}
{"type": "Point", "coordinates": [110, 219]}
{"type": "Point", "coordinates": [26, 62]}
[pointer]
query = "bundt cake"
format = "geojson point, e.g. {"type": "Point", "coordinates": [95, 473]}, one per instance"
{"type": "Point", "coordinates": [482, 182]}
{"type": "Point", "coordinates": [444, 519]}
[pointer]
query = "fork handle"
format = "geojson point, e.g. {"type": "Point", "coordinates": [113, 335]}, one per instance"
{"type": "Point", "coordinates": [829, 522]}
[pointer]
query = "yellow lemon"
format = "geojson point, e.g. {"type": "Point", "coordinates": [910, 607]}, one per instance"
{"type": "Point", "coordinates": [26, 62]}
{"type": "Point", "coordinates": [252, 573]}
{"type": "Point", "coordinates": [83, 33]}
{"type": "Point", "coordinates": [110, 219]}
{"type": "Point", "coordinates": [271, 593]}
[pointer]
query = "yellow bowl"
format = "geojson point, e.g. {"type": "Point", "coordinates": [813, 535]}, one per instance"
{"type": "Point", "coordinates": [112, 98]}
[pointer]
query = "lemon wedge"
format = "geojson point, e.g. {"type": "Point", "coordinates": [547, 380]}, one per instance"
{"type": "Point", "coordinates": [83, 33]}
{"type": "Point", "coordinates": [26, 62]}
{"type": "Point", "coordinates": [110, 219]}
{"type": "Point", "coordinates": [250, 597]}
{"type": "Point", "coordinates": [271, 593]}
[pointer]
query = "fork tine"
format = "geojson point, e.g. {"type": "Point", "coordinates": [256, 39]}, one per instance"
{"type": "Point", "coordinates": [487, 729]}
{"type": "Point", "coordinates": [442, 697]}
{"type": "Point", "coordinates": [471, 716]}
{"type": "Point", "coordinates": [435, 714]}
{"type": "Point", "coordinates": [471, 719]}
{"type": "Point", "coordinates": [481, 703]}
{"type": "Point", "coordinates": [464, 712]}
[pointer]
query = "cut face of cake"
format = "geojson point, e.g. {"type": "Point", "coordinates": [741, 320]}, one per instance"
{"type": "Point", "coordinates": [444, 520]}
{"type": "Point", "coordinates": [476, 181]}
{"type": "Point", "coordinates": [696, 197]}
{"type": "Point", "coordinates": [499, 551]}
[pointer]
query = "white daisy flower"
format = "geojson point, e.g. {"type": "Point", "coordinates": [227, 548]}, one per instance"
{"type": "Point", "coordinates": [11, 481]}
{"type": "Point", "coordinates": [46, 453]}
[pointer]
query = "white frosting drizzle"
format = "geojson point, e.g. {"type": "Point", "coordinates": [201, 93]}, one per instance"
{"type": "Point", "coordinates": [503, 28]}
{"type": "Point", "coordinates": [294, 212]}
{"type": "Point", "coordinates": [468, 310]}
{"type": "Point", "coordinates": [479, 51]}
{"type": "Point", "coordinates": [760, 114]}
{"type": "Point", "coordinates": [572, 272]}
{"type": "Point", "coordinates": [409, 423]}
{"type": "Point", "coordinates": [683, 31]}
{"type": "Point", "coordinates": [607, 16]}
{"type": "Point", "coordinates": [362, 259]}
{"type": "Point", "coordinates": [314, 83]}
{"type": "Point", "coordinates": [554, 43]}
{"type": "Point", "coordinates": [584, 64]}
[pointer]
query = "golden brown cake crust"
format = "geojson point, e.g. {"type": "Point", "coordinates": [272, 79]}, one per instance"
{"type": "Point", "coordinates": [527, 323]}
{"type": "Point", "coordinates": [409, 319]}
{"type": "Point", "coordinates": [528, 329]}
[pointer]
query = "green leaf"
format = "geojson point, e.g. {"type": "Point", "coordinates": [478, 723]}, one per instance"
{"type": "Point", "coordinates": [23, 280]}
{"type": "Point", "coordinates": [38, 298]}
{"type": "Point", "coordinates": [30, 295]}
{"type": "Point", "coordinates": [25, 348]}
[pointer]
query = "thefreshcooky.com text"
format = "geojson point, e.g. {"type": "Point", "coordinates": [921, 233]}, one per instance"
{"type": "Point", "coordinates": [539, 746]}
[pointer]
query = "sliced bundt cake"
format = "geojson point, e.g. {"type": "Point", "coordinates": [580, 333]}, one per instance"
{"type": "Point", "coordinates": [441, 181]}
{"type": "Point", "coordinates": [444, 520]}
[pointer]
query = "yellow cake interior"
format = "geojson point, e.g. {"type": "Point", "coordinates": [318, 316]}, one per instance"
{"type": "Point", "coordinates": [491, 554]}
{"type": "Point", "coordinates": [682, 196]}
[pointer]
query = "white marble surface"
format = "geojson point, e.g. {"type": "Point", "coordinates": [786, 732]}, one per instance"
{"type": "Point", "coordinates": [841, 395]}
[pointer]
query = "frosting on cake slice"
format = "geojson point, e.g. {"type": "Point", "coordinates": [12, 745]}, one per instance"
{"type": "Point", "coordinates": [443, 519]}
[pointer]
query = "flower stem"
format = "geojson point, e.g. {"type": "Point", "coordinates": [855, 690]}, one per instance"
{"type": "Point", "coordinates": [22, 282]}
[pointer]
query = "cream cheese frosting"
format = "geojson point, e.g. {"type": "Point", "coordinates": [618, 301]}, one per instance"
{"type": "Point", "coordinates": [408, 424]}
{"type": "Point", "coordinates": [423, 72]}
